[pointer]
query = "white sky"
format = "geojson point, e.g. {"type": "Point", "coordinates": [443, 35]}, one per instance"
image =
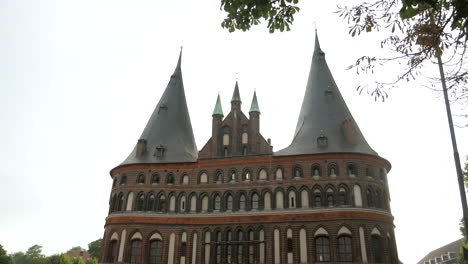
{"type": "Point", "coordinates": [79, 80]}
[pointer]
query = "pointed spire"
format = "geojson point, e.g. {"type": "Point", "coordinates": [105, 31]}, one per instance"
{"type": "Point", "coordinates": [236, 94]}
{"type": "Point", "coordinates": [218, 110]}
{"type": "Point", "coordinates": [325, 124]}
{"type": "Point", "coordinates": [254, 106]}
{"type": "Point", "coordinates": [168, 135]}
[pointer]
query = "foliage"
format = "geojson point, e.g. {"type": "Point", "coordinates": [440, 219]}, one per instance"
{"type": "Point", "coordinates": [242, 14]}
{"type": "Point", "coordinates": [4, 258]}
{"type": "Point", "coordinates": [418, 32]}
{"type": "Point", "coordinates": [94, 248]}
{"type": "Point", "coordinates": [34, 252]}
{"type": "Point", "coordinates": [76, 248]}
{"type": "Point", "coordinates": [2, 251]}
{"type": "Point", "coordinates": [19, 258]}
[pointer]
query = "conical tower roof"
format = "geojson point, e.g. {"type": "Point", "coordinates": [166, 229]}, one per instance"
{"type": "Point", "coordinates": [325, 124]}
{"type": "Point", "coordinates": [254, 106]}
{"type": "Point", "coordinates": [218, 110]}
{"type": "Point", "coordinates": [168, 135]}
{"type": "Point", "coordinates": [236, 94]}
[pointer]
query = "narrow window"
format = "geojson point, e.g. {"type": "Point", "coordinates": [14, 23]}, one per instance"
{"type": "Point", "coordinates": [233, 176]}
{"type": "Point", "coordinates": [297, 172]}
{"type": "Point", "coordinates": [114, 182]}
{"type": "Point", "coordinates": [330, 199]}
{"type": "Point", "coordinates": [244, 151]}
{"type": "Point", "coordinates": [322, 249]}
{"type": "Point", "coordinates": [135, 252]}
{"type": "Point", "coordinates": [218, 247]}
{"type": "Point", "coordinates": [140, 202]}
{"type": "Point", "coordinates": [185, 179]}
{"type": "Point", "coordinates": [279, 174]}
{"type": "Point", "coordinates": [155, 254]}
{"type": "Point", "coordinates": [245, 138]}
{"type": "Point", "coordinates": [218, 177]}
{"type": "Point", "coordinates": [162, 204]}
{"type": "Point", "coordinates": [370, 198]}
{"type": "Point", "coordinates": [255, 201]}
{"type": "Point", "coordinates": [226, 139]}
{"type": "Point", "coordinates": [229, 202]}
{"type": "Point", "coordinates": [203, 178]}
{"type": "Point", "coordinates": [342, 197]}
{"type": "Point", "coordinates": [289, 245]}
{"type": "Point", "coordinates": [217, 203]}
{"type": "Point", "coordinates": [229, 246]}
{"type": "Point", "coordinates": [262, 175]}
{"type": "Point", "coordinates": [345, 249]}
{"type": "Point", "coordinates": [170, 179]}
{"type": "Point", "coordinates": [316, 171]}
{"type": "Point", "coordinates": [377, 248]}
{"type": "Point", "coordinates": [150, 204]}
{"type": "Point", "coordinates": [247, 175]}
{"type": "Point", "coordinates": [183, 249]}
{"type": "Point", "coordinates": [240, 248]}
{"type": "Point", "coordinates": [155, 179]}
{"type": "Point", "coordinates": [242, 202]}
{"type": "Point", "coordinates": [317, 199]}
{"type": "Point", "coordinates": [226, 152]}
{"type": "Point", "coordinates": [112, 256]}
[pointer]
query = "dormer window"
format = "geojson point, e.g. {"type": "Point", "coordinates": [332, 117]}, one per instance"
{"type": "Point", "coordinates": [322, 141]}
{"type": "Point", "coordinates": [160, 149]}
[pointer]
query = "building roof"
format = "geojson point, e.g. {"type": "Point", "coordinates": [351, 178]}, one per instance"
{"type": "Point", "coordinates": [451, 247]}
{"type": "Point", "coordinates": [236, 94]}
{"type": "Point", "coordinates": [325, 124]}
{"type": "Point", "coordinates": [168, 135]}
{"type": "Point", "coordinates": [254, 106]}
{"type": "Point", "coordinates": [218, 110]}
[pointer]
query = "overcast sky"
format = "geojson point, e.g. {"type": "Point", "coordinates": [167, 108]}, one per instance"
{"type": "Point", "coordinates": [79, 80]}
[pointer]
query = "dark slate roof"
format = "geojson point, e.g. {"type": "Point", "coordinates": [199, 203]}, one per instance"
{"type": "Point", "coordinates": [325, 124]}
{"type": "Point", "coordinates": [254, 106]}
{"type": "Point", "coordinates": [218, 110]}
{"type": "Point", "coordinates": [168, 134]}
{"type": "Point", "coordinates": [236, 94]}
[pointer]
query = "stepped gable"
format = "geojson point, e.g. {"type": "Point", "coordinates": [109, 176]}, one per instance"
{"type": "Point", "coordinates": [325, 124]}
{"type": "Point", "coordinates": [168, 135]}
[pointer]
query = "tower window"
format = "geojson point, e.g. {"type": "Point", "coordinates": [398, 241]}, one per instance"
{"type": "Point", "coordinates": [226, 140]}
{"type": "Point", "coordinates": [345, 249]}
{"type": "Point", "coordinates": [226, 152]}
{"type": "Point", "coordinates": [123, 180]}
{"type": "Point", "coordinates": [297, 172]}
{"type": "Point", "coordinates": [245, 138]}
{"type": "Point", "coordinates": [141, 179]}
{"type": "Point", "coordinates": [244, 151]}
{"type": "Point", "coordinates": [155, 179]}
{"type": "Point", "coordinates": [289, 245]}
{"type": "Point", "coordinates": [170, 179]}
{"type": "Point", "coordinates": [322, 249]}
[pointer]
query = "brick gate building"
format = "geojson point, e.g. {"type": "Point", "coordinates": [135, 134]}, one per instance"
{"type": "Point", "coordinates": [323, 199]}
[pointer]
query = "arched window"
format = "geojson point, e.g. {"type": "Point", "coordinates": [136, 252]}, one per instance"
{"type": "Point", "coordinates": [193, 203]}
{"type": "Point", "coordinates": [244, 151]}
{"type": "Point", "coordinates": [370, 198]}
{"type": "Point", "coordinates": [203, 178]}
{"type": "Point", "coordinates": [112, 251]}
{"type": "Point", "coordinates": [120, 203]}
{"type": "Point", "coordinates": [316, 171]}
{"type": "Point", "coordinates": [342, 197]}
{"type": "Point", "coordinates": [135, 251]}
{"type": "Point", "coordinates": [377, 248]}
{"type": "Point", "coordinates": [279, 200]}
{"type": "Point", "coordinates": [262, 175]}
{"type": "Point", "coordinates": [225, 139]}
{"type": "Point", "coordinates": [226, 152]}
{"type": "Point", "coordinates": [172, 203]}
{"type": "Point", "coordinates": [229, 246]}
{"type": "Point", "coordinates": [112, 204]}
{"type": "Point", "coordinates": [123, 180]}
{"type": "Point", "coordinates": [267, 201]}
{"type": "Point", "coordinates": [292, 199]}
{"type": "Point", "coordinates": [279, 174]}
{"type": "Point", "coordinates": [352, 170]}
{"type": "Point", "coordinates": [232, 174]}
{"type": "Point", "coordinates": [217, 202]}
{"type": "Point", "coordinates": [245, 138]}
{"type": "Point", "coordinates": [155, 178]}
{"type": "Point", "coordinates": [229, 202]}
{"type": "Point", "coordinates": [378, 199]}
{"type": "Point", "coordinates": [289, 241]}
{"type": "Point", "coordinates": [240, 247]}
{"type": "Point", "coordinates": [218, 177]}
{"type": "Point", "coordinates": [170, 179]}
{"type": "Point", "coordinates": [185, 179]}
{"type": "Point", "coordinates": [345, 249]}
{"type": "Point", "coordinates": [218, 247]}
{"type": "Point", "coordinates": [297, 172]}
{"type": "Point", "coordinates": [182, 204]}
{"type": "Point", "coordinates": [114, 182]}
{"type": "Point", "coordinates": [322, 249]}
{"type": "Point", "coordinates": [252, 248]}
{"type": "Point", "coordinates": [141, 179]}
{"type": "Point", "coordinates": [305, 199]}
{"type": "Point", "coordinates": [155, 252]}
{"type": "Point", "coordinates": [183, 248]}
{"type": "Point", "coordinates": [150, 203]}
{"type": "Point", "coordinates": [204, 203]}
{"type": "Point", "coordinates": [332, 171]}
{"type": "Point", "coordinates": [207, 247]}
{"type": "Point", "coordinates": [242, 202]}
{"type": "Point", "coordinates": [162, 204]}
{"type": "Point", "coordinates": [317, 198]}
{"type": "Point", "coordinates": [369, 172]}
{"type": "Point", "coordinates": [247, 175]}
{"type": "Point", "coordinates": [382, 173]}
{"type": "Point", "coordinates": [254, 201]}
{"type": "Point", "coordinates": [140, 202]}
{"type": "Point", "coordinates": [330, 198]}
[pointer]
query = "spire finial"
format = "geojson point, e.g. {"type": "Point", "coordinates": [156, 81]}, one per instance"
{"type": "Point", "coordinates": [218, 110]}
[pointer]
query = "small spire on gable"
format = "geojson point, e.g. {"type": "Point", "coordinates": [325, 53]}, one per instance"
{"type": "Point", "coordinates": [236, 94]}
{"type": "Point", "coordinates": [254, 106]}
{"type": "Point", "coordinates": [218, 110]}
